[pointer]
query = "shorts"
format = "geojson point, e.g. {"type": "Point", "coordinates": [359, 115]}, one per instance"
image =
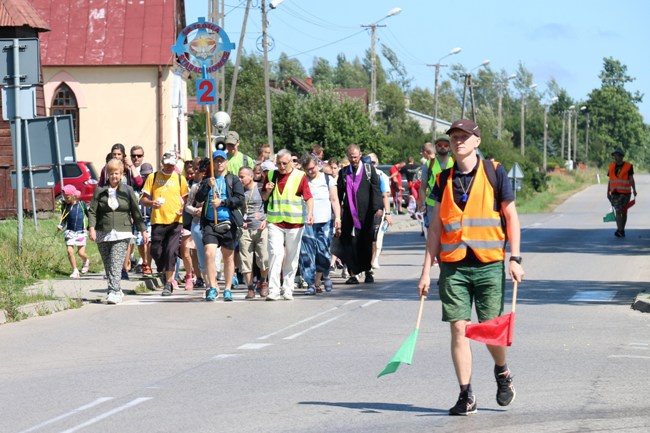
{"type": "Point", "coordinates": [461, 285]}
{"type": "Point", "coordinates": [138, 236]}
{"type": "Point", "coordinates": [226, 240]}
{"type": "Point", "coordinates": [253, 244]}
{"type": "Point", "coordinates": [75, 239]}
{"type": "Point", "coordinates": [619, 201]}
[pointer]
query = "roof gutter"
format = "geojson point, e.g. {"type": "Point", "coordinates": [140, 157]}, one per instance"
{"type": "Point", "coordinates": [159, 108]}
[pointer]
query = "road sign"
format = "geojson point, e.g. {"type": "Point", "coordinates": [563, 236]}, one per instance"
{"type": "Point", "coordinates": [42, 177]}
{"type": "Point", "coordinates": [515, 172]}
{"type": "Point", "coordinates": [197, 46]}
{"type": "Point", "coordinates": [42, 139]}
{"type": "Point", "coordinates": [29, 58]}
{"type": "Point", "coordinates": [27, 103]}
{"type": "Point", "coordinates": [206, 91]}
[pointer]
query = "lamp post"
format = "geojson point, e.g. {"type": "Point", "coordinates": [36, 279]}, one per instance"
{"type": "Point", "coordinates": [522, 122]}
{"type": "Point", "coordinates": [568, 136]}
{"type": "Point", "coordinates": [468, 83]}
{"type": "Point", "coordinates": [500, 105]}
{"type": "Point", "coordinates": [373, 61]}
{"type": "Point", "coordinates": [546, 107]}
{"type": "Point", "coordinates": [586, 111]}
{"type": "Point", "coordinates": [267, 85]}
{"type": "Point", "coordinates": [435, 90]}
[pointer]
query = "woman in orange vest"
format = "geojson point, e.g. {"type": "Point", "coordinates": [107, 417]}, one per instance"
{"type": "Point", "coordinates": [466, 232]}
{"type": "Point", "coordinates": [619, 189]}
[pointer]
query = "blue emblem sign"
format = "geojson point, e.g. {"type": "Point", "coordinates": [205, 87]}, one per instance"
{"type": "Point", "coordinates": [199, 54]}
{"type": "Point", "coordinates": [206, 91]}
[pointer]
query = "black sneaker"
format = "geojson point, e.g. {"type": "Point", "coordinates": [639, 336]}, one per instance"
{"type": "Point", "coordinates": [352, 280]}
{"type": "Point", "coordinates": [466, 405]}
{"type": "Point", "coordinates": [168, 289]}
{"type": "Point", "coordinates": [369, 277]}
{"type": "Point", "coordinates": [505, 389]}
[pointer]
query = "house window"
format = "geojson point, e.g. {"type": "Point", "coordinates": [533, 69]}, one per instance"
{"type": "Point", "coordinates": [64, 102]}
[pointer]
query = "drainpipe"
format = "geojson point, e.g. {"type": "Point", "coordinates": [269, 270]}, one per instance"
{"type": "Point", "coordinates": [159, 103]}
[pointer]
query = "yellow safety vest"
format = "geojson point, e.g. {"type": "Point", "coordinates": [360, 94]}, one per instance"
{"type": "Point", "coordinates": [286, 207]}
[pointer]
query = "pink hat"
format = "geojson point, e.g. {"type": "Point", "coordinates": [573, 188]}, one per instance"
{"type": "Point", "coordinates": [70, 190]}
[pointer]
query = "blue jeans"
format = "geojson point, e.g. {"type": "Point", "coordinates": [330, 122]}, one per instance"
{"type": "Point", "coordinates": [315, 254]}
{"type": "Point", "coordinates": [197, 236]}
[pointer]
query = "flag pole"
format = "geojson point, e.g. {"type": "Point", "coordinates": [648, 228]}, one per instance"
{"type": "Point", "coordinates": [209, 138]}
{"type": "Point", "coordinates": [422, 298]}
{"type": "Point", "coordinates": [514, 296]}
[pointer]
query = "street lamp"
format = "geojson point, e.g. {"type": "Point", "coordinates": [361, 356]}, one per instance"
{"type": "Point", "coordinates": [546, 107]}
{"type": "Point", "coordinates": [586, 111]}
{"type": "Point", "coordinates": [500, 105]}
{"type": "Point", "coordinates": [435, 89]}
{"type": "Point", "coordinates": [522, 122]}
{"type": "Point", "coordinates": [568, 135]}
{"type": "Point", "coordinates": [468, 83]}
{"type": "Point", "coordinates": [373, 60]}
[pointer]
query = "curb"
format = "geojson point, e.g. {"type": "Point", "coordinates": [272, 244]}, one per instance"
{"type": "Point", "coordinates": [44, 308]}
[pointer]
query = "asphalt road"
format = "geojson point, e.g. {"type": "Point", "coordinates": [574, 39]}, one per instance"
{"type": "Point", "coordinates": [580, 356]}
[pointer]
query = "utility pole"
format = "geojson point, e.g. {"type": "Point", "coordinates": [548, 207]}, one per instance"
{"type": "Point", "coordinates": [216, 15]}
{"type": "Point", "coordinates": [267, 85]}
{"type": "Point", "coordinates": [563, 129]}
{"type": "Point", "coordinates": [435, 90]}
{"type": "Point", "coordinates": [575, 137]}
{"type": "Point", "coordinates": [500, 105]}
{"type": "Point", "coordinates": [568, 154]}
{"type": "Point", "coordinates": [372, 107]}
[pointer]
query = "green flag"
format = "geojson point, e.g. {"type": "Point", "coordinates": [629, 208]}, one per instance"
{"type": "Point", "coordinates": [404, 354]}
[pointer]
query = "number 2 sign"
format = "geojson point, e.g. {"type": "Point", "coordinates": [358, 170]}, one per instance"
{"type": "Point", "coordinates": [206, 91]}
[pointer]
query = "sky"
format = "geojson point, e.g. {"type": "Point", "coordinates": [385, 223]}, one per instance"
{"type": "Point", "coordinates": [561, 39]}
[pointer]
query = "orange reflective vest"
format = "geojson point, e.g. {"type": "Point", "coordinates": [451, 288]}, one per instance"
{"type": "Point", "coordinates": [620, 184]}
{"type": "Point", "coordinates": [477, 227]}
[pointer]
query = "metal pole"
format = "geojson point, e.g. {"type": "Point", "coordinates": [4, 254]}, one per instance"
{"type": "Point", "coordinates": [235, 73]}
{"type": "Point", "coordinates": [568, 136]}
{"type": "Point", "coordinates": [500, 111]}
{"type": "Point", "coordinates": [562, 140]}
{"type": "Point", "coordinates": [545, 135]}
{"type": "Point", "coordinates": [587, 140]}
{"type": "Point", "coordinates": [31, 175]}
{"type": "Point", "coordinates": [19, 146]}
{"type": "Point", "coordinates": [435, 103]}
{"type": "Point", "coordinates": [267, 86]}
{"type": "Point", "coordinates": [575, 137]}
{"type": "Point", "coordinates": [462, 109]}
{"type": "Point", "coordinates": [373, 72]}
{"type": "Point", "coordinates": [57, 146]}
{"type": "Point", "coordinates": [471, 96]}
{"type": "Point", "coordinates": [522, 127]}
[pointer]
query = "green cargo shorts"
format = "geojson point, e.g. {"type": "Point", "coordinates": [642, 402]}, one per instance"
{"type": "Point", "coordinates": [461, 285]}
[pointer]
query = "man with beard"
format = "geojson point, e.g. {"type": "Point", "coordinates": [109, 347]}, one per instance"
{"type": "Point", "coordinates": [438, 159]}
{"type": "Point", "coordinates": [361, 205]}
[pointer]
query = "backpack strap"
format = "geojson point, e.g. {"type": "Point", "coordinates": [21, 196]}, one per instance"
{"type": "Point", "coordinates": [327, 180]}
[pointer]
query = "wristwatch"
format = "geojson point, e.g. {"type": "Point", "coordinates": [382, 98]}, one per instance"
{"type": "Point", "coordinates": [517, 259]}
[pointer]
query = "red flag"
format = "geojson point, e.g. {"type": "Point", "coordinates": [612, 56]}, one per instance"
{"type": "Point", "coordinates": [497, 331]}
{"type": "Point", "coordinates": [629, 205]}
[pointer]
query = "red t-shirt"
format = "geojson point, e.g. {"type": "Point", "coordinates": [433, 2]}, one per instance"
{"type": "Point", "coordinates": [396, 181]}
{"type": "Point", "coordinates": [303, 191]}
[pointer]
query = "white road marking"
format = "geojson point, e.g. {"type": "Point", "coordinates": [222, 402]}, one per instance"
{"type": "Point", "coordinates": [629, 356]}
{"type": "Point", "coordinates": [593, 296]}
{"type": "Point", "coordinates": [72, 412]}
{"type": "Point", "coordinates": [253, 346]}
{"type": "Point", "coordinates": [107, 414]}
{"type": "Point", "coordinates": [369, 303]}
{"type": "Point", "coordinates": [224, 356]}
{"type": "Point", "coordinates": [296, 335]}
{"type": "Point", "coordinates": [307, 319]}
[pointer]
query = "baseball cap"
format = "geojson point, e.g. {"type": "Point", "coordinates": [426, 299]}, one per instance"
{"type": "Point", "coordinates": [169, 158]}
{"type": "Point", "coordinates": [146, 169]}
{"type": "Point", "coordinates": [220, 153]}
{"type": "Point", "coordinates": [267, 165]}
{"type": "Point", "coordinates": [232, 137]}
{"type": "Point", "coordinates": [619, 151]}
{"type": "Point", "coordinates": [442, 138]}
{"type": "Point", "coordinates": [70, 190]}
{"type": "Point", "coordinates": [465, 125]}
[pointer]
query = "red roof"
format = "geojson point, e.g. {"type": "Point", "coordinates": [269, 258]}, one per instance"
{"type": "Point", "coordinates": [19, 13]}
{"type": "Point", "coordinates": [110, 32]}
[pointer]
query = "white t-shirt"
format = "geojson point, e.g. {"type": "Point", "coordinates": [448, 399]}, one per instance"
{"type": "Point", "coordinates": [321, 194]}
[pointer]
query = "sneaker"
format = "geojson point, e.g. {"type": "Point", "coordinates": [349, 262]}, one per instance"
{"type": "Point", "coordinates": [370, 278]}
{"type": "Point", "coordinates": [273, 297]}
{"type": "Point", "coordinates": [352, 280]}
{"type": "Point", "coordinates": [199, 283]}
{"type": "Point", "coordinates": [311, 290]}
{"type": "Point", "coordinates": [227, 296]}
{"type": "Point", "coordinates": [189, 284]}
{"type": "Point", "coordinates": [211, 294]}
{"type": "Point", "coordinates": [85, 267]}
{"type": "Point", "coordinates": [505, 389]}
{"type": "Point", "coordinates": [174, 284]}
{"type": "Point", "coordinates": [375, 264]}
{"type": "Point", "coordinates": [264, 291]}
{"type": "Point", "coordinates": [168, 289]}
{"type": "Point", "coordinates": [146, 271]}
{"type": "Point", "coordinates": [75, 273]}
{"type": "Point", "coordinates": [114, 298]}
{"type": "Point", "coordinates": [125, 274]}
{"type": "Point", "coordinates": [287, 296]}
{"type": "Point", "coordinates": [466, 405]}
{"type": "Point", "coordinates": [328, 285]}
{"type": "Point", "coordinates": [251, 292]}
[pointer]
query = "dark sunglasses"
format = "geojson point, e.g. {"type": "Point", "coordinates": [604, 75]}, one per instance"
{"type": "Point", "coordinates": [133, 155]}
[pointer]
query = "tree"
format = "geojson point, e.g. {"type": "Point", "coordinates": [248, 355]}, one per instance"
{"type": "Point", "coordinates": [421, 100]}
{"type": "Point", "coordinates": [286, 67]}
{"type": "Point", "coordinates": [615, 118]}
{"type": "Point", "coordinates": [322, 73]}
{"type": "Point", "coordinates": [397, 72]}
{"type": "Point", "coordinates": [350, 75]}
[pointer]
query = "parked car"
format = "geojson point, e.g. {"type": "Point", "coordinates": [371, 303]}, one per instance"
{"type": "Point", "coordinates": [405, 193]}
{"type": "Point", "coordinates": [81, 175]}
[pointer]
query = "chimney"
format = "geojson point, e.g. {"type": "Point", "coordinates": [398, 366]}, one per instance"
{"type": "Point", "coordinates": [309, 81]}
